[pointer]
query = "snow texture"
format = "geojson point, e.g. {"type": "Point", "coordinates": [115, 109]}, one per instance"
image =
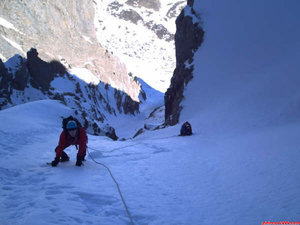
{"type": "Point", "coordinates": [241, 166]}
{"type": "Point", "coordinates": [145, 55]}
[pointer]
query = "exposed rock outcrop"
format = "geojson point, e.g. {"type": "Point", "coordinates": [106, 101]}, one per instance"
{"type": "Point", "coordinates": [150, 4]}
{"type": "Point", "coordinates": [21, 77]}
{"type": "Point", "coordinates": [4, 89]}
{"type": "Point", "coordinates": [188, 38]}
{"type": "Point", "coordinates": [61, 30]}
{"type": "Point", "coordinates": [24, 80]}
{"type": "Point", "coordinates": [40, 71]}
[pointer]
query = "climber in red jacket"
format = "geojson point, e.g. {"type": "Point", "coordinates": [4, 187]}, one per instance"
{"type": "Point", "coordinates": [72, 135]}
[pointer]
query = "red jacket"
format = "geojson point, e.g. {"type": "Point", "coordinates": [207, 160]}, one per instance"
{"type": "Point", "coordinates": [65, 140]}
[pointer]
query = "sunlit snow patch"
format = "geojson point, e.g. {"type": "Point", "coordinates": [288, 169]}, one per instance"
{"type": "Point", "coordinates": [85, 75]}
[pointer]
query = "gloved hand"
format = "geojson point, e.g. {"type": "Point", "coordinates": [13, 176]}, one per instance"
{"type": "Point", "coordinates": [79, 160]}
{"type": "Point", "coordinates": [55, 162]}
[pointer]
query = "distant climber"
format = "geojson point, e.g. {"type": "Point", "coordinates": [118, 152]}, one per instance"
{"type": "Point", "coordinates": [186, 129]}
{"type": "Point", "coordinates": [73, 134]}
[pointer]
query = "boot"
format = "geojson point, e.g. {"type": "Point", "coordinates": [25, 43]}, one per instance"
{"type": "Point", "coordinates": [79, 160]}
{"type": "Point", "coordinates": [64, 157]}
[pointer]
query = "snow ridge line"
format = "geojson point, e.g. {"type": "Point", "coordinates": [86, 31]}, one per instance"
{"type": "Point", "coordinates": [118, 187]}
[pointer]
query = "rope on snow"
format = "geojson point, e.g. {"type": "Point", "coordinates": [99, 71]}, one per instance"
{"type": "Point", "coordinates": [118, 187]}
{"type": "Point", "coordinates": [115, 149]}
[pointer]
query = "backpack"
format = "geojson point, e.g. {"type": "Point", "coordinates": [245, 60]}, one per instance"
{"type": "Point", "coordinates": [66, 120]}
{"type": "Point", "coordinates": [186, 129]}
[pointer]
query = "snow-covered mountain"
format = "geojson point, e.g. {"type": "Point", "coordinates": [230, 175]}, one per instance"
{"type": "Point", "coordinates": [141, 33]}
{"type": "Point", "coordinates": [94, 103]}
{"type": "Point", "coordinates": [64, 32]}
{"type": "Point", "coordinates": [110, 38]}
{"type": "Point", "coordinates": [241, 165]}
{"type": "Point", "coordinates": [65, 38]}
{"type": "Point", "coordinates": [111, 42]}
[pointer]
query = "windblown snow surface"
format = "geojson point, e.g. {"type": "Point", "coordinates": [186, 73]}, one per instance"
{"type": "Point", "coordinates": [241, 166]}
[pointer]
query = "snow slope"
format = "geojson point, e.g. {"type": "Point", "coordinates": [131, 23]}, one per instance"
{"type": "Point", "coordinates": [245, 99]}
{"type": "Point", "coordinates": [164, 178]}
{"type": "Point", "coordinates": [247, 71]}
{"type": "Point", "coordinates": [241, 166]}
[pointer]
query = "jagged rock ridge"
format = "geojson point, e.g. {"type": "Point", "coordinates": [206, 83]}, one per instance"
{"type": "Point", "coordinates": [62, 31]}
{"type": "Point", "coordinates": [24, 80]}
{"type": "Point", "coordinates": [188, 38]}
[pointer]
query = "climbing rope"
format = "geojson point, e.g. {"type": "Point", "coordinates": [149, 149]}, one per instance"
{"type": "Point", "coordinates": [115, 149]}
{"type": "Point", "coordinates": [118, 187]}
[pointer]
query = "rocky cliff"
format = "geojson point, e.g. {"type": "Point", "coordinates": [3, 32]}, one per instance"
{"type": "Point", "coordinates": [66, 38]}
{"type": "Point", "coordinates": [188, 38]}
{"type": "Point", "coordinates": [29, 79]}
{"type": "Point", "coordinates": [62, 31]}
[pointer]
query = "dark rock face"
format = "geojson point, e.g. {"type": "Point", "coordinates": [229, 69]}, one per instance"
{"type": "Point", "coordinates": [4, 90]}
{"type": "Point", "coordinates": [150, 4]}
{"type": "Point", "coordinates": [190, 3]}
{"type": "Point", "coordinates": [139, 132]}
{"type": "Point", "coordinates": [130, 15]}
{"type": "Point", "coordinates": [3, 75]}
{"type": "Point", "coordinates": [112, 134]}
{"type": "Point", "coordinates": [31, 71]}
{"type": "Point", "coordinates": [188, 38]}
{"type": "Point", "coordinates": [61, 30]}
{"type": "Point", "coordinates": [129, 105]}
{"type": "Point", "coordinates": [115, 5]}
{"type": "Point", "coordinates": [91, 102]}
{"type": "Point", "coordinates": [126, 105]}
{"type": "Point", "coordinates": [21, 75]}
{"type": "Point", "coordinates": [160, 31]}
{"type": "Point", "coordinates": [39, 70]}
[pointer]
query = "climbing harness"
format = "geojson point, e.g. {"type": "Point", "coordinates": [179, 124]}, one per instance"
{"type": "Point", "coordinates": [118, 187]}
